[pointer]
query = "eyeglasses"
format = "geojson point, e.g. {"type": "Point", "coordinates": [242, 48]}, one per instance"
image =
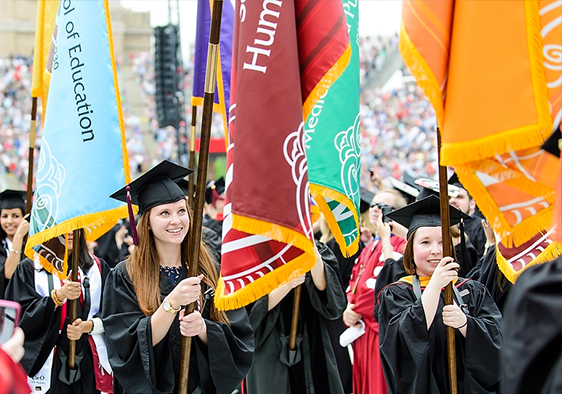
{"type": "Point", "coordinates": [380, 205]}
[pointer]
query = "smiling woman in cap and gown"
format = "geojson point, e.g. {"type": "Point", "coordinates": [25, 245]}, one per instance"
{"type": "Point", "coordinates": [13, 229]}
{"type": "Point", "coordinates": [413, 318]}
{"type": "Point", "coordinates": [143, 295]}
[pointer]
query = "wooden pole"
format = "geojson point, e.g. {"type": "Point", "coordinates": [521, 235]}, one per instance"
{"type": "Point", "coordinates": [295, 318]}
{"type": "Point", "coordinates": [191, 180]}
{"type": "Point", "coordinates": [447, 251]}
{"type": "Point", "coordinates": [73, 304]}
{"type": "Point", "coordinates": [31, 154]}
{"type": "Point", "coordinates": [206, 122]}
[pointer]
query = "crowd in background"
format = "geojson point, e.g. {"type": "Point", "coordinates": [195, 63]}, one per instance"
{"type": "Point", "coordinates": [397, 128]}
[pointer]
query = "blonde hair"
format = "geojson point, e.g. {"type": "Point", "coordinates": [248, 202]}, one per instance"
{"type": "Point", "coordinates": [325, 230]}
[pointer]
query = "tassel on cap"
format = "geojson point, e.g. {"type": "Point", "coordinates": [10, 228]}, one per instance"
{"type": "Point", "coordinates": [132, 217]}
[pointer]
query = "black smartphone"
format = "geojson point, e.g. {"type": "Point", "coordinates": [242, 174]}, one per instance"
{"type": "Point", "coordinates": [386, 209]}
{"type": "Point", "coordinates": [9, 319]}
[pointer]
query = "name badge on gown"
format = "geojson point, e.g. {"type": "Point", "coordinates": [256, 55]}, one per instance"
{"type": "Point", "coordinates": [41, 383]}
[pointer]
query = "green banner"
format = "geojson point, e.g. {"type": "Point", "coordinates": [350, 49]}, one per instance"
{"type": "Point", "coordinates": [333, 149]}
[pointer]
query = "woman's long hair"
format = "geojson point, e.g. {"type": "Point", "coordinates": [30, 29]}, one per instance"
{"type": "Point", "coordinates": [85, 260]}
{"type": "Point", "coordinates": [143, 267]}
{"type": "Point", "coordinates": [409, 263]}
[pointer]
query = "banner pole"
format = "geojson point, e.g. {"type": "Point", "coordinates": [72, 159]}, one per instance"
{"type": "Point", "coordinates": [206, 122]}
{"type": "Point", "coordinates": [72, 304]}
{"type": "Point", "coordinates": [447, 251]}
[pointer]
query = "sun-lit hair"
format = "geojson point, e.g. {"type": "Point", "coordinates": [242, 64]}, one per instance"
{"type": "Point", "coordinates": [325, 230]}
{"type": "Point", "coordinates": [365, 221]}
{"type": "Point", "coordinates": [143, 267]}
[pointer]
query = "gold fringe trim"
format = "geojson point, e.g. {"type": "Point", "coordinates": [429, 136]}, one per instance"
{"type": "Point", "coordinates": [117, 94]}
{"type": "Point", "coordinates": [459, 153]}
{"type": "Point", "coordinates": [327, 80]}
{"type": "Point", "coordinates": [319, 193]}
{"type": "Point", "coordinates": [454, 154]}
{"type": "Point", "coordinates": [510, 236]}
{"type": "Point", "coordinates": [264, 285]}
{"type": "Point", "coordinates": [550, 253]}
{"type": "Point", "coordinates": [273, 231]}
{"type": "Point", "coordinates": [96, 220]}
{"type": "Point", "coordinates": [419, 68]}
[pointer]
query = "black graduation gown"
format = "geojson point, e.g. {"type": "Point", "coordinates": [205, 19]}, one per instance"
{"type": "Point", "coordinates": [488, 273]}
{"type": "Point", "coordinates": [3, 280]}
{"type": "Point", "coordinates": [107, 248]}
{"type": "Point", "coordinates": [532, 353]}
{"type": "Point", "coordinates": [316, 372]}
{"type": "Point", "coordinates": [393, 270]}
{"type": "Point", "coordinates": [473, 228]}
{"type": "Point", "coordinates": [345, 264]}
{"type": "Point", "coordinates": [215, 225]}
{"type": "Point", "coordinates": [214, 243]}
{"type": "Point", "coordinates": [40, 322]}
{"type": "Point", "coordinates": [337, 327]}
{"type": "Point", "coordinates": [414, 358]}
{"type": "Point", "coordinates": [467, 260]}
{"type": "Point", "coordinates": [139, 367]}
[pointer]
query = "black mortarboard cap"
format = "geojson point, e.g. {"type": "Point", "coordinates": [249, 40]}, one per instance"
{"type": "Point", "coordinates": [184, 185]}
{"type": "Point", "coordinates": [366, 199]}
{"type": "Point", "coordinates": [155, 187]}
{"type": "Point", "coordinates": [409, 179]}
{"type": "Point", "coordinates": [408, 192]}
{"type": "Point", "coordinates": [454, 180]}
{"type": "Point", "coordinates": [10, 199]}
{"type": "Point", "coordinates": [430, 187]}
{"type": "Point", "coordinates": [425, 213]}
{"type": "Point", "coordinates": [217, 186]}
{"type": "Point", "coordinates": [553, 143]}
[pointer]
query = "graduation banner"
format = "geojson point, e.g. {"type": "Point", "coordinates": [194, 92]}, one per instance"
{"type": "Point", "coordinates": [494, 116]}
{"type": "Point", "coordinates": [224, 64]}
{"type": "Point", "coordinates": [333, 147]}
{"type": "Point", "coordinates": [44, 24]}
{"type": "Point", "coordinates": [83, 156]}
{"type": "Point", "coordinates": [282, 51]}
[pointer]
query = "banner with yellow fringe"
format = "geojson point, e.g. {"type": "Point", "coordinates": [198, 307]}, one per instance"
{"type": "Point", "coordinates": [333, 148]}
{"type": "Point", "coordinates": [83, 156]}
{"type": "Point", "coordinates": [493, 116]}
{"type": "Point", "coordinates": [267, 228]}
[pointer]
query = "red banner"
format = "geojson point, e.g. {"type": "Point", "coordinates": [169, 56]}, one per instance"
{"type": "Point", "coordinates": [267, 233]}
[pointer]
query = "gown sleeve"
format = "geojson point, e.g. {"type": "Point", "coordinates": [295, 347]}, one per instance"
{"type": "Point", "coordinates": [263, 321]}
{"type": "Point", "coordinates": [404, 341]}
{"type": "Point", "coordinates": [128, 335]}
{"type": "Point", "coordinates": [226, 359]}
{"type": "Point", "coordinates": [483, 341]}
{"type": "Point", "coordinates": [493, 279]}
{"type": "Point", "coordinates": [3, 280]}
{"type": "Point", "coordinates": [39, 319]}
{"type": "Point", "coordinates": [329, 303]}
{"type": "Point", "coordinates": [391, 272]}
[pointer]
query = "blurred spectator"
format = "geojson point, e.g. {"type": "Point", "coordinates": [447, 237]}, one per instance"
{"type": "Point", "coordinates": [397, 130]}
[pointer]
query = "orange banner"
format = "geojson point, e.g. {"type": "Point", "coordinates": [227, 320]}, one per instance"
{"type": "Point", "coordinates": [496, 91]}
